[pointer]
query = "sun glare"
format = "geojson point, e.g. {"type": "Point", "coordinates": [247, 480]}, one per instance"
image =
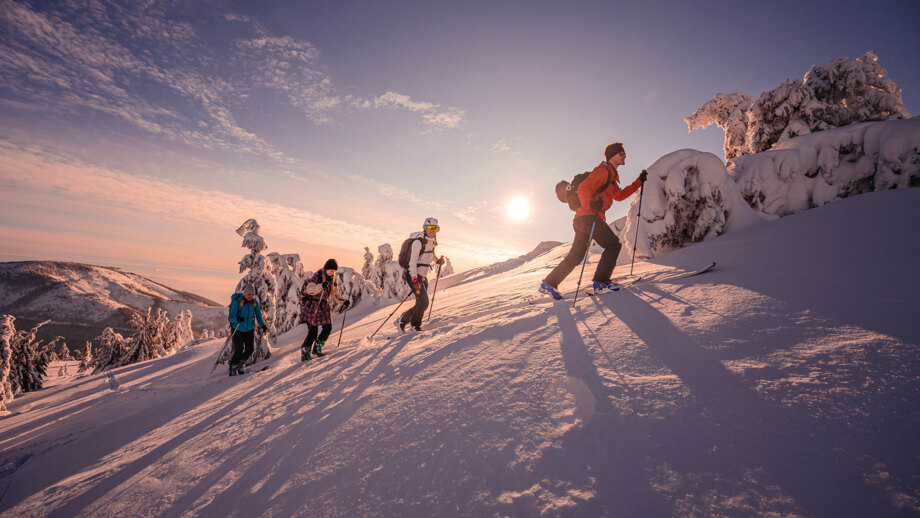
{"type": "Point", "coordinates": [518, 209]}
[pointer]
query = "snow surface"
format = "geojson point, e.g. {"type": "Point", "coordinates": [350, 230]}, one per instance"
{"type": "Point", "coordinates": [784, 382]}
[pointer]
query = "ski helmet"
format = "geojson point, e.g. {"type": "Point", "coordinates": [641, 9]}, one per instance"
{"type": "Point", "coordinates": [430, 221]}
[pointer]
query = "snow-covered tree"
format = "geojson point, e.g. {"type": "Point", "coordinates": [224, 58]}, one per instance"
{"type": "Point", "coordinates": [178, 333]}
{"type": "Point", "coordinates": [52, 355]}
{"type": "Point", "coordinates": [65, 353]}
{"type": "Point", "coordinates": [368, 263]}
{"type": "Point", "coordinates": [28, 363]}
{"type": "Point", "coordinates": [110, 349]}
{"type": "Point", "coordinates": [149, 339]}
{"type": "Point", "coordinates": [288, 272]}
{"type": "Point", "coordinates": [7, 331]}
{"type": "Point", "coordinates": [842, 92]}
{"type": "Point", "coordinates": [812, 170]}
{"type": "Point", "coordinates": [259, 276]}
{"type": "Point", "coordinates": [85, 356]}
{"type": "Point", "coordinates": [688, 197]}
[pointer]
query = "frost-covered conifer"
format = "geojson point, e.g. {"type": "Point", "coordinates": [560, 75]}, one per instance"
{"type": "Point", "coordinates": [28, 364]}
{"type": "Point", "coordinates": [688, 197]}
{"type": "Point", "coordinates": [288, 271]}
{"type": "Point", "coordinates": [7, 331]}
{"type": "Point", "coordinates": [111, 348]}
{"type": "Point", "coordinates": [178, 333]}
{"type": "Point", "coordinates": [842, 92]}
{"type": "Point", "coordinates": [65, 353]}
{"type": "Point", "coordinates": [85, 356]}
{"type": "Point", "coordinates": [259, 276]}
{"type": "Point", "coordinates": [149, 339]}
{"type": "Point", "coordinates": [368, 263]}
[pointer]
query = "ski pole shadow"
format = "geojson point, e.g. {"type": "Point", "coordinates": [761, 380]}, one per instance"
{"type": "Point", "coordinates": [736, 429]}
{"type": "Point", "coordinates": [289, 453]}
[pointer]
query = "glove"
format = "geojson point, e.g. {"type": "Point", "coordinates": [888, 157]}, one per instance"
{"type": "Point", "coordinates": [597, 205]}
{"type": "Point", "coordinates": [240, 320]}
{"type": "Point", "coordinates": [346, 304]}
{"type": "Point", "coordinates": [417, 284]}
{"type": "Point", "coordinates": [643, 176]}
{"type": "Point", "coordinates": [264, 329]}
{"type": "Point", "coordinates": [440, 260]}
{"type": "Point", "coordinates": [326, 283]}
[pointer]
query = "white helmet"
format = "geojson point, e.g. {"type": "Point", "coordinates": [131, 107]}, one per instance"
{"type": "Point", "coordinates": [430, 221]}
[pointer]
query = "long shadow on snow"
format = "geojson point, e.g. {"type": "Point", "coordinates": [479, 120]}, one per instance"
{"type": "Point", "coordinates": [86, 498]}
{"type": "Point", "coordinates": [879, 420]}
{"type": "Point", "coordinates": [290, 453]}
{"type": "Point", "coordinates": [604, 453]}
{"type": "Point", "coordinates": [807, 459]}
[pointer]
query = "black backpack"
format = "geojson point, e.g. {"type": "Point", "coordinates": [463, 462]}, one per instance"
{"type": "Point", "coordinates": [405, 251]}
{"type": "Point", "coordinates": [571, 192]}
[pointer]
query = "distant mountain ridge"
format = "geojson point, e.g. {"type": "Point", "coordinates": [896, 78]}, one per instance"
{"type": "Point", "coordinates": [83, 299]}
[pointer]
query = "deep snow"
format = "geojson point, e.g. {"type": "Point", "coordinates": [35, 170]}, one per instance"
{"type": "Point", "coordinates": [784, 382]}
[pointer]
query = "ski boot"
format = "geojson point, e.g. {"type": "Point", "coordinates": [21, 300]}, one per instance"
{"type": "Point", "coordinates": [600, 287]}
{"type": "Point", "coordinates": [304, 354]}
{"type": "Point", "coordinates": [549, 290]}
{"type": "Point", "coordinates": [318, 348]}
{"type": "Point", "coordinates": [400, 326]}
{"type": "Point", "coordinates": [236, 369]}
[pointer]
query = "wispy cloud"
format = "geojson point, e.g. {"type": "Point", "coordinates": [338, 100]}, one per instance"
{"type": "Point", "coordinates": [500, 146]}
{"type": "Point", "coordinates": [159, 67]}
{"type": "Point", "coordinates": [432, 114]}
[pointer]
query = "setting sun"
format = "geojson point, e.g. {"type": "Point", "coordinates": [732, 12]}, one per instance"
{"type": "Point", "coordinates": [518, 209]}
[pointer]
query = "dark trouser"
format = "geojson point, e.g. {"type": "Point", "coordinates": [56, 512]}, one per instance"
{"type": "Point", "coordinates": [323, 332]}
{"type": "Point", "coordinates": [243, 342]}
{"type": "Point", "coordinates": [603, 235]}
{"type": "Point", "coordinates": [413, 316]}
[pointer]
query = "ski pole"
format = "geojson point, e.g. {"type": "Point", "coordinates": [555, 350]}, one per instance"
{"type": "Point", "coordinates": [638, 219]}
{"type": "Point", "coordinates": [223, 348]}
{"type": "Point", "coordinates": [391, 314]}
{"type": "Point", "coordinates": [345, 314]}
{"type": "Point", "coordinates": [587, 251]}
{"type": "Point", "coordinates": [435, 292]}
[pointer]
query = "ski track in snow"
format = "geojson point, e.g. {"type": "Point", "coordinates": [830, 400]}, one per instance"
{"type": "Point", "coordinates": [783, 382]}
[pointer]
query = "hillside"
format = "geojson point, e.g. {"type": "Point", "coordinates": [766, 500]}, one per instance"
{"type": "Point", "coordinates": [784, 382]}
{"type": "Point", "coordinates": [81, 299]}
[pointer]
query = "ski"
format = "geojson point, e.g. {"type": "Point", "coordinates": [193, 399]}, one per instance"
{"type": "Point", "coordinates": [681, 275]}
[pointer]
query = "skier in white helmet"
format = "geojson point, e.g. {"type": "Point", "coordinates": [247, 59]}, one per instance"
{"type": "Point", "coordinates": [416, 256]}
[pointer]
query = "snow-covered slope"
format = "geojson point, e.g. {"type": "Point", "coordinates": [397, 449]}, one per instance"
{"type": "Point", "coordinates": [81, 300]}
{"type": "Point", "coordinates": [784, 382]}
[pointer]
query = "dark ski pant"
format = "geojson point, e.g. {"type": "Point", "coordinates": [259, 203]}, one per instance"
{"type": "Point", "coordinates": [323, 332]}
{"type": "Point", "coordinates": [413, 316]}
{"type": "Point", "coordinates": [243, 342]}
{"type": "Point", "coordinates": [603, 235]}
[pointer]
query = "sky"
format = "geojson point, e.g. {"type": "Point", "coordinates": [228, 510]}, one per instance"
{"type": "Point", "coordinates": [142, 134]}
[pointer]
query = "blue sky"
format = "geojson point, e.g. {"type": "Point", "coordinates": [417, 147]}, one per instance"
{"type": "Point", "coordinates": [141, 135]}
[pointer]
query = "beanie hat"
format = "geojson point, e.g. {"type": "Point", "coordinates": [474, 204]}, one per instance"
{"type": "Point", "coordinates": [249, 290]}
{"type": "Point", "coordinates": [331, 265]}
{"type": "Point", "coordinates": [612, 149]}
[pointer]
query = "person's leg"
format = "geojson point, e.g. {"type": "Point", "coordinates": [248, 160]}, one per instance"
{"type": "Point", "coordinates": [249, 338]}
{"type": "Point", "coordinates": [308, 342]}
{"type": "Point", "coordinates": [576, 254]}
{"type": "Point", "coordinates": [321, 340]}
{"type": "Point", "coordinates": [421, 304]}
{"type": "Point", "coordinates": [237, 357]}
{"type": "Point", "coordinates": [605, 237]}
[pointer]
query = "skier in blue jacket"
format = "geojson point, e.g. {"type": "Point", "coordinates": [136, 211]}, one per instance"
{"type": "Point", "coordinates": [244, 309]}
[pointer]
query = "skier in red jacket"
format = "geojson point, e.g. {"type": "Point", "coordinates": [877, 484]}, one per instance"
{"type": "Point", "coordinates": [596, 194]}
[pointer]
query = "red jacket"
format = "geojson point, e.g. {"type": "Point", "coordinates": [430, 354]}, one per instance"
{"type": "Point", "coordinates": [595, 181]}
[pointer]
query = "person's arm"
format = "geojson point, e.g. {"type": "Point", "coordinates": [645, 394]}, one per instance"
{"type": "Point", "coordinates": [414, 253]}
{"type": "Point", "coordinates": [621, 194]}
{"type": "Point", "coordinates": [234, 312]}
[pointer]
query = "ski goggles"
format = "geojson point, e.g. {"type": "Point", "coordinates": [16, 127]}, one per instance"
{"type": "Point", "coordinates": [431, 228]}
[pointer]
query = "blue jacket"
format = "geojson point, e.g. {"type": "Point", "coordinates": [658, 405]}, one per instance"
{"type": "Point", "coordinates": [248, 311]}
